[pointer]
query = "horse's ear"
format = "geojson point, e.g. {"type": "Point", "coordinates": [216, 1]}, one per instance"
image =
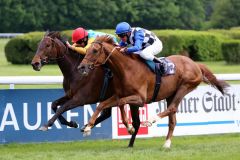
{"type": "Point", "coordinates": [64, 39]}
{"type": "Point", "coordinates": [47, 32]}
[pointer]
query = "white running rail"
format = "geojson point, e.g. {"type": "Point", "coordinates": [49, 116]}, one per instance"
{"type": "Point", "coordinates": [38, 80]}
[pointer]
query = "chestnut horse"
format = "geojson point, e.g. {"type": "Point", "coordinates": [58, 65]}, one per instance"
{"type": "Point", "coordinates": [79, 90]}
{"type": "Point", "coordinates": [134, 82]}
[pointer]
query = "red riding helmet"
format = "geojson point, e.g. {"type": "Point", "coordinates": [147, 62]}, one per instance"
{"type": "Point", "coordinates": [78, 34]}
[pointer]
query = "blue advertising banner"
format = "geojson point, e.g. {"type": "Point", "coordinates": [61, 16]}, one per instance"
{"type": "Point", "coordinates": [22, 112]}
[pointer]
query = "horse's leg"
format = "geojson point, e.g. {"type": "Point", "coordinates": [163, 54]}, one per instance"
{"type": "Point", "coordinates": [171, 124]}
{"type": "Point", "coordinates": [173, 106]}
{"type": "Point", "coordinates": [130, 130]}
{"type": "Point", "coordinates": [105, 114]}
{"type": "Point", "coordinates": [110, 102]}
{"type": "Point", "coordinates": [62, 120]}
{"type": "Point", "coordinates": [66, 106]}
{"type": "Point", "coordinates": [135, 123]}
{"type": "Point", "coordinates": [54, 106]}
{"type": "Point", "coordinates": [132, 100]}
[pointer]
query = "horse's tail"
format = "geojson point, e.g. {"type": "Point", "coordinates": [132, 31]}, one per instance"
{"type": "Point", "coordinates": [209, 78]}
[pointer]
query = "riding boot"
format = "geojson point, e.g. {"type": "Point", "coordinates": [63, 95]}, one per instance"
{"type": "Point", "coordinates": [156, 60]}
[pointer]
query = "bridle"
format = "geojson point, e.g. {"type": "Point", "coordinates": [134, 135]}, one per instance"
{"type": "Point", "coordinates": [94, 64]}
{"type": "Point", "coordinates": [63, 56]}
{"type": "Point", "coordinates": [55, 58]}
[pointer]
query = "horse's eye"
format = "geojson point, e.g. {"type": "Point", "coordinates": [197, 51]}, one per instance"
{"type": "Point", "coordinates": [94, 51]}
{"type": "Point", "coordinates": [48, 45]}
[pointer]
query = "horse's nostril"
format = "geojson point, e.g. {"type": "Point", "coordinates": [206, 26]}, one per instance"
{"type": "Point", "coordinates": [81, 67]}
{"type": "Point", "coordinates": [36, 66]}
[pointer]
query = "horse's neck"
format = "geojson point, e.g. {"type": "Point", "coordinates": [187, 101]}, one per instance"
{"type": "Point", "coordinates": [68, 64]}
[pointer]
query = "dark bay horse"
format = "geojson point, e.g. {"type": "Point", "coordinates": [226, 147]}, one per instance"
{"type": "Point", "coordinates": [79, 90]}
{"type": "Point", "coordinates": [134, 82]}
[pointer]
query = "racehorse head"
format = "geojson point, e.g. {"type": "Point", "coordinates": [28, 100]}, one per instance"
{"type": "Point", "coordinates": [50, 47]}
{"type": "Point", "coordinates": [97, 54]}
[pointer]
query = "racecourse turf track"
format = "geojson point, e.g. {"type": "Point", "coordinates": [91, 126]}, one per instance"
{"type": "Point", "coordinates": [219, 147]}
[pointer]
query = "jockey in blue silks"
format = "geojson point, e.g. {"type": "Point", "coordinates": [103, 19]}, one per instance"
{"type": "Point", "coordinates": [142, 41]}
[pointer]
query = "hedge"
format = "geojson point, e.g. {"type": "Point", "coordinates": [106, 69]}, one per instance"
{"type": "Point", "coordinates": [20, 50]}
{"type": "Point", "coordinates": [198, 45]}
{"type": "Point", "coordinates": [229, 34]}
{"type": "Point", "coordinates": [231, 51]}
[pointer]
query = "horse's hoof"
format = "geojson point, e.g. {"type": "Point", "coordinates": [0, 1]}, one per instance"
{"type": "Point", "coordinates": [130, 146]}
{"type": "Point", "coordinates": [147, 124]}
{"type": "Point", "coordinates": [73, 124]}
{"type": "Point", "coordinates": [167, 144]}
{"type": "Point", "coordinates": [83, 128]}
{"type": "Point", "coordinates": [87, 131]}
{"type": "Point", "coordinates": [43, 128]}
{"type": "Point", "coordinates": [131, 131]}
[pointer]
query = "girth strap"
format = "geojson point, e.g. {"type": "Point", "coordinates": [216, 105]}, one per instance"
{"type": "Point", "coordinates": [107, 76]}
{"type": "Point", "coordinates": [158, 81]}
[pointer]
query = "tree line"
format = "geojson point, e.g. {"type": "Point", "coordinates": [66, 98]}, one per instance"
{"type": "Point", "coordinates": [41, 15]}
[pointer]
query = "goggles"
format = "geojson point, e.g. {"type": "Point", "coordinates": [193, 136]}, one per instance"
{"type": "Point", "coordinates": [122, 35]}
{"type": "Point", "coordinates": [80, 41]}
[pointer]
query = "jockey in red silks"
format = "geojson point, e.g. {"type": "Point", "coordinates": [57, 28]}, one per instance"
{"type": "Point", "coordinates": [82, 39]}
{"type": "Point", "coordinates": [142, 41]}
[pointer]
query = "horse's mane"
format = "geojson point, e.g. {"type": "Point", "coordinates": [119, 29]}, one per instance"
{"type": "Point", "coordinates": [105, 38]}
{"type": "Point", "coordinates": [56, 34]}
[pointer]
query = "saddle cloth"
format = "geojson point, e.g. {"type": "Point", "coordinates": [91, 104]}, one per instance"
{"type": "Point", "coordinates": [169, 66]}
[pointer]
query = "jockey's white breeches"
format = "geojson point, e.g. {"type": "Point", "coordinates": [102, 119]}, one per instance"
{"type": "Point", "coordinates": [149, 52]}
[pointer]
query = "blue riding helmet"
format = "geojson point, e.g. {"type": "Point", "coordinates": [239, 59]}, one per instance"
{"type": "Point", "coordinates": [123, 27]}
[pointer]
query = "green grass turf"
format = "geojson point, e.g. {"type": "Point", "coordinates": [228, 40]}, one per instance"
{"type": "Point", "coordinates": [209, 147]}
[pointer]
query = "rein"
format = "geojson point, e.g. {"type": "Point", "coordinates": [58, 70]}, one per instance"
{"type": "Point", "coordinates": [58, 50]}
{"type": "Point", "coordinates": [94, 64]}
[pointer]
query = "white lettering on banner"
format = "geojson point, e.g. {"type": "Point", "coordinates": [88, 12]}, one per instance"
{"type": "Point", "coordinates": [87, 109]}
{"type": "Point", "coordinates": [70, 115]}
{"type": "Point", "coordinates": [49, 111]}
{"type": "Point", "coordinates": [25, 117]}
{"type": "Point", "coordinates": [9, 116]}
{"type": "Point", "coordinates": [9, 110]}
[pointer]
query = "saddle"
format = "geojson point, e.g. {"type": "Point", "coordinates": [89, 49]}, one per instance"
{"type": "Point", "coordinates": [167, 67]}
{"type": "Point", "coordinates": [164, 68]}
